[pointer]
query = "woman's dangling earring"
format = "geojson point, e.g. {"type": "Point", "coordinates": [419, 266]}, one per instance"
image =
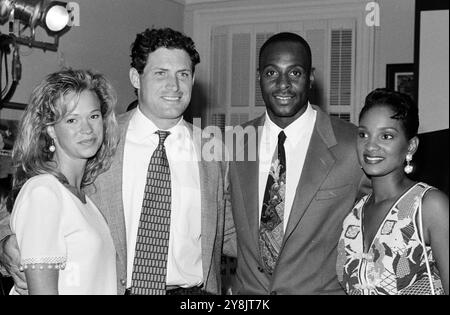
{"type": "Point", "coordinates": [408, 168]}
{"type": "Point", "coordinates": [52, 147]}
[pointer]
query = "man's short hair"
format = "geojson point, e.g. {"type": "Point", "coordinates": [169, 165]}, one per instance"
{"type": "Point", "coordinates": [152, 39]}
{"type": "Point", "coordinates": [288, 37]}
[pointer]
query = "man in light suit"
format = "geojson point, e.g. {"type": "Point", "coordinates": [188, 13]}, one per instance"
{"type": "Point", "coordinates": [162, 72]}
{"type": "Point", "coordinates": [291, 249]}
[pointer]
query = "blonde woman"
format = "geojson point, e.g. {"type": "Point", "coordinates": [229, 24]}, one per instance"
{"type": "Point", "coordinates": [66, 138]}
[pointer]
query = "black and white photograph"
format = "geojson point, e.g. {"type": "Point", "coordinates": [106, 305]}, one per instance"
{"type": "Point", "coordinates": [217, 148]}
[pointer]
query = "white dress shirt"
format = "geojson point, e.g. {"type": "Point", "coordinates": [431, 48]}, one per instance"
{"type": "Point", "coordinates": [184, 266]}
{"type": "Point", "coordinates": [298, 135]}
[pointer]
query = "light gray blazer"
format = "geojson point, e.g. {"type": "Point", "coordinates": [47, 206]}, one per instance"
{"type": "Point", "coordinates": [326, 192]}
{"type": "Point", "coordinates": [106, 192]}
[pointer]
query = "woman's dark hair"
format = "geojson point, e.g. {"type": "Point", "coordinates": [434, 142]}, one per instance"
{"type": "Point", "coordinates": [401, 104]}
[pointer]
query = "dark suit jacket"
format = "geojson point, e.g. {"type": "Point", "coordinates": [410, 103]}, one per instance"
{"type": "Point", "coordinates": [325, 194]}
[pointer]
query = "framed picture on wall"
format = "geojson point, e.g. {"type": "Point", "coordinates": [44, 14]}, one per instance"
{"type": "Point", "coordinates": [400, 77]}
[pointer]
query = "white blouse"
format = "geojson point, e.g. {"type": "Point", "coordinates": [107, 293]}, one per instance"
{"type": "Point", "coordinates": [54, 228]}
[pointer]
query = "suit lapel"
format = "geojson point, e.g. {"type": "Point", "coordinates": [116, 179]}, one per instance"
{"type": "Point", "coordinates": [318, 163]}
{"type": "Point", "coordinates": [248, 172]}
{"type": "Point", "coordinates": [114, 203]}
{"type": "Point", "coordinates": [208, 192]}
{"type": "Point", "coordinates": [209, 214]}
{"type": "Point", "coordinates": [110, 198]}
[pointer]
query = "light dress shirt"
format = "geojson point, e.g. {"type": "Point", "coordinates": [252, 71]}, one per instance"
{"type": "Point", "coordinates": [298, 135]}
{"type": "Point", "coordinates": [184, 265]}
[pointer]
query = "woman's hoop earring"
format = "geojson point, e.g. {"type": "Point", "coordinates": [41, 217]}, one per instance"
{"type": "Point", "coordinates": [408, 168]}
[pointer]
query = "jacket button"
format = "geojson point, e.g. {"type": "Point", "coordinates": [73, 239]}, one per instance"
{"type": "Point", "coordinates": [123, 282]}
{"type": "Point", "coordinates": [273, 293]}
{"type": "Point", "coordinates": [260, 269]}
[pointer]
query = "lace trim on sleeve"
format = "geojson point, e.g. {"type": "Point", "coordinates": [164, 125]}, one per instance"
{"type": "Point", "coordinates": [44, 263]}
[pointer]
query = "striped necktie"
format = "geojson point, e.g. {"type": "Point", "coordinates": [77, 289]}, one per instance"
{"type": "Point", "coordinates": [152, 243]}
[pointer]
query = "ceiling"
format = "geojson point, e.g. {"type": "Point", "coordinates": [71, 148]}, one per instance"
{"type": "Point", "coordinates": [187, 2]}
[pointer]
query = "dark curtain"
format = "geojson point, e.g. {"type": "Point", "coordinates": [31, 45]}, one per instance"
{"type": "Point", "coordinates": [431, 159]}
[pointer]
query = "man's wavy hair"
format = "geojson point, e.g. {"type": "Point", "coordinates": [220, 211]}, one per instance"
{"type": "Point", "coordinates": [49, 105]}
{"type": "Point", "coordinates": [152, 39]}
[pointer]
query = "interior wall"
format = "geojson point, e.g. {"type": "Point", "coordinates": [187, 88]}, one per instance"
{"type": "Point", "coordinates": [101, 43]}
{"type": "Point", "coordinates": [434, 70]}
{"type": "Point", "coordinates": [394, 39]}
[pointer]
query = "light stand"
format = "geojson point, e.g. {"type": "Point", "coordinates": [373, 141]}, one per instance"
{"type": "Point", "coordinates": [53, 16]}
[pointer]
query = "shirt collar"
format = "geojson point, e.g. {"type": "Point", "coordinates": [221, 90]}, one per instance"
{"type": "Point", "coordinates": [295, 129]}
{"type": "Point", "coordinates": [143, 127]}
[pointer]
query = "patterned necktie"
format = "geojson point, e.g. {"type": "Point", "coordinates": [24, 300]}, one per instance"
{"type": "Point", "coordinates": [152, 243]}
{"type": "Point", "coordinates": [271, 228]}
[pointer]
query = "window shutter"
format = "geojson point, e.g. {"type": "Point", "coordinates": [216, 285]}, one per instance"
{"type": "Point", "coordinates": [238, 119]}
{"type": "Point", "coordinates": [260, 39]}
{"type": "Point", "coordinates": [343, 116]}
{"type": "Point", "coordinates": [235, 93]}
{"type": "Point", "coordinates": [240, 65]}
{"type": "Point", "coordinates": [219, 69]}
{"type": "Point", "coordinates": [317, 41]}
{"type": "Point", "coordinates": [341, 69]}
{"type": "Point", "coordinates": [219, 121]}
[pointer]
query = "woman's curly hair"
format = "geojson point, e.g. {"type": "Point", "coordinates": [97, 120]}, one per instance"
{"type": "Point", "coordinates": [49, 105]}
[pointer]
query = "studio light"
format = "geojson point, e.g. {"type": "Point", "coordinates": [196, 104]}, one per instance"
{"type": "Point", "coordinates": [56, 16]}
{"type": "Point", "coordinates": [24, 16]}
{"type": "Point", "coordinates": [53, 16]}
{"type": "Point", "coordinates": [26, 11]}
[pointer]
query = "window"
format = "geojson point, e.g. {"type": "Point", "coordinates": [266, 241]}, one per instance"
{"type": "Point", "coordinates": [343, 70]}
